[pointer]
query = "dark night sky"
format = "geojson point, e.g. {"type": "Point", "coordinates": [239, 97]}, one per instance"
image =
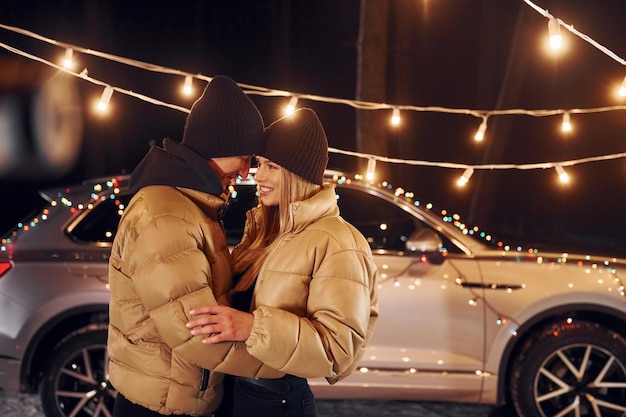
{"type": "Point", "coordinates": [469, 54]}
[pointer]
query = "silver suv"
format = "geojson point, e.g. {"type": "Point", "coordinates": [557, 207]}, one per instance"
{"type": "Point", "coordinates": [463, 317]}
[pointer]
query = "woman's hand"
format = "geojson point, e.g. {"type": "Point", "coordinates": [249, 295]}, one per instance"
{"type": "Point", "coordinates": [220, 323]}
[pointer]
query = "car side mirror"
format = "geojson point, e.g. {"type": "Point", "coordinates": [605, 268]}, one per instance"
{"type": "Point", "coordinates": [427, 243]}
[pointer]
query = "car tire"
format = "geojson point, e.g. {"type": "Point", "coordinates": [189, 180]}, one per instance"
{"type": "Point", "coordinates": [577, 366]}
{"type": "Point", "coordinates": [75, 382]}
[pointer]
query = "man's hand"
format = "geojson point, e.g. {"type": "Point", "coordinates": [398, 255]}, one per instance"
{"type": "Point", "coordinates": [220, 323]}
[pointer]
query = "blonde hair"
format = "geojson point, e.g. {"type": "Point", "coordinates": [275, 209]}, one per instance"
{"type": "Point", "coordinates": [275, 222]}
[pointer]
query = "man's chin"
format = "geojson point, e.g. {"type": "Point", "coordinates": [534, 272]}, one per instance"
{"type": "Point", "coordinates": [228, 180]}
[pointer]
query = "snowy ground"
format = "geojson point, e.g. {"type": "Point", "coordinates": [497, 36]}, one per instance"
{"type": "Point", "coordinates": [23, 405]}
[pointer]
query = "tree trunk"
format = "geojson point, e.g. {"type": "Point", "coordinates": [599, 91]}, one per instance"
{"type": "Point", "coordinates": [371, 126]}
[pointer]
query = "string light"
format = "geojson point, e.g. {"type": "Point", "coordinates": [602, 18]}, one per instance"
{"type": "Point", "coordinates": [563, 177]}
{"type": "Point", "coordinates": [395, 117]}
{"type": "Point", "coordinates": [263, 91]}
{"type": "Point", "coordinates": [566, 125]}
{"type": "Point", "coordinates": [105, 98]}
{"type": "Point", "coordinates": [188, 85]}
{"type": "Point", "coordinates": [556, 40]}
{"type": "Point", "coordinates": [581, 35]}
{"type": "Point", "coordinates": [480, 133]}
{"type": "Point", "coordinates": [291, 106]}
{"type": "Point", "coordinates": [464, 179]}
{"type": "Point", "coordinates": [622, 89]}
{"type": "Point", "coordinates": [371, 170]}
{"type": "Point", "coordinates": [68, 61]}
{"type": "Point", "coordinates": [249, 89]}
{"type": "Point", "coordinates": [490, 167]}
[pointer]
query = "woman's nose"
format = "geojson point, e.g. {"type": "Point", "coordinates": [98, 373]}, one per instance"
{"type": "Point", "coordinates": [258, 175]}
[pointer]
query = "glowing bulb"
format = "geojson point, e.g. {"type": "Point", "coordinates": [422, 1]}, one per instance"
{"type": "Point", "coordinates": [622, 89]}
{"type": "Point", "coordinates": [371, 170]}
{"type": "Point", "coordinates": [395, 117]}
{"type": "Point", "coordinates": [563, 177]}
{"type": "Point", "coordinates": [291, 107]}
{"type": "Point", "coordinates": [556, 40]}
{"type": "Point", "coordinates": [566, 125]}
{"type": "Point", "coordinates": [463, 179]}
{"type": "Point", "coordinates": [480, 133]}
{"type": "Point", "coordinates": [105, 98]}
{"type": "Point", "coordinates": [68, 61]}
{"type": "Point", "coordinates": [188, 86]}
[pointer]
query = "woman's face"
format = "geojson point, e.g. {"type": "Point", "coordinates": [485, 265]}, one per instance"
{"type": "Point", "coordinates": [268, 178]}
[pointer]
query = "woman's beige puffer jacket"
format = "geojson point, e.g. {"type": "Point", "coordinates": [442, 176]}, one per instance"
{"type": "Point", "coordinates": [315, 303]}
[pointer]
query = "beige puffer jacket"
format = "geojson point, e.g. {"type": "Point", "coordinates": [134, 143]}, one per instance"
{"type": "Point", "coordinates": [169, 256]}
{"type": "Point", "coordinates": [315, 303]}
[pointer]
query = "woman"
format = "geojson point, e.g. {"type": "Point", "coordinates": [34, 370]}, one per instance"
{"type": "Point", "coordinates": [306, 275]}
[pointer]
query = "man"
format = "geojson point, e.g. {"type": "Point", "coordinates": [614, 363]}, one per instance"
{"type": "Point", "coordinates": [170, 255]}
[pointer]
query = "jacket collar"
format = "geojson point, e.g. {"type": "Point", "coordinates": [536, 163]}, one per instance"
{"type": "Point", "coordinates": [212, 205]}
{"type": "Point", "coordinates": [322, 204]}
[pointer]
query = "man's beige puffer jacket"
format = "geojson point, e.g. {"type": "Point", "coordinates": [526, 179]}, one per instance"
{"type": "Point", "coordinates": [169, 256]}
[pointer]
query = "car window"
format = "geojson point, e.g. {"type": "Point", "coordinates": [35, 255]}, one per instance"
{"type": "Point", "coordinates": [10, 212]}
{"type": "Point", "coordinates": [385, 225]}
{"type": "Point", "coordinates": [100, 224]}
{"type": "Point", "coordinates": [234, 217]}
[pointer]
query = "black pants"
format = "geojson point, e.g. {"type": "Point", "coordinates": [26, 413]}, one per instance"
{"type": "Point", "coordinates": [289, 396]}
{"type": "Point", "coordinates": [125, 408]}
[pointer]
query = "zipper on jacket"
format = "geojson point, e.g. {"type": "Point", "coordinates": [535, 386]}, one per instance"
{"type": "Point", "coordinates": [205, 379]}
{"type": "Point", "coordinates": [276, 246]}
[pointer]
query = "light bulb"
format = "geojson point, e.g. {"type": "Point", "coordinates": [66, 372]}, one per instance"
{"type": "Point", "coordinates": [395, 116]}
{"type": "Point", "coordinates": [563, 177]}
{"type": "Point", "coordinates": [68, 61]}
{"type": "Point", "coordinates": [291, 107]}
{"type": "Point", "coordinates": [554, 30]}
{"type": "Point", "coordinates": [105, 98]}
{"type": "Point", "coordinates": [480, 133]}
{"type": "Point", "coordinates": [371, 170]}
{"type": "Point", "coordinates": [463, 179]}
{"type": "Point", "coordinates": [566, 125]}
{"type": "Point", "coordinates": [188, 85]}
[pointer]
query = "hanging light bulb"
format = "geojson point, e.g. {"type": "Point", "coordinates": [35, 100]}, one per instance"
{"type": "Point", "coordinates": [563, 177]}
{"type": "Point", "coordinates": [395, 117]}
{"type": "Point", "coordinates": [68, 61]}
{"type": "Point", "coordinates": [105, 98]}
{"type": "Point", "coordinates": [554, 30]}
{"type": "Point", "coordinates": [463, 179]}
{"type": "Point", "coordinates": [566, 125]}
{"type": "Point", "coordinates": [291, 107]}
{"type": "Point", "coordinates": [480, 133]}
{"type": "Point", "coordinates": [371, 170]}
{"type": "Point", "coordinates": [188, 85]}
{"type": "Point", "coordinates": [622, 89]}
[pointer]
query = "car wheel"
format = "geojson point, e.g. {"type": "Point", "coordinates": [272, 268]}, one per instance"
{"type": "Point", "coordinates": [75, 382]}
{"type": "Point", "coordinates": [571, 369]}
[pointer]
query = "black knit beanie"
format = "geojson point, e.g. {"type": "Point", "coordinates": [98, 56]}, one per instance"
{"type": "Point", "coordinates": [298, 143]}
{"type": "Point", "coordinates": [223, 122]}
